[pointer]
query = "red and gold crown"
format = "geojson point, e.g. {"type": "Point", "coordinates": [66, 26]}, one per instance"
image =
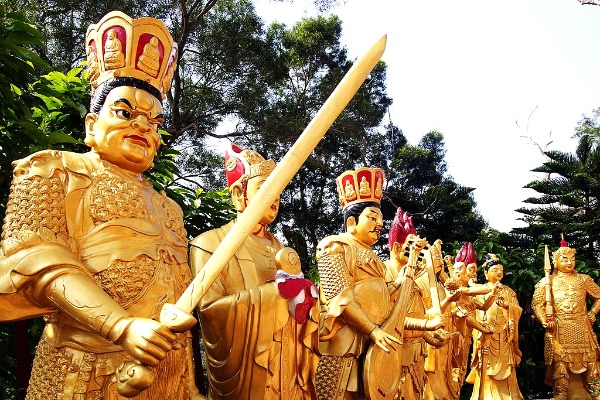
{"type": "Point", "coordinates": [361, 185]}
{"type": "Point", "coordinates": [245, 164]}
{"type": "Point", "coordinates": [120, 46]}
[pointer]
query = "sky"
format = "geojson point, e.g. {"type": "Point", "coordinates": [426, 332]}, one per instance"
{"type": "Point", "coordinates": [499, 79]}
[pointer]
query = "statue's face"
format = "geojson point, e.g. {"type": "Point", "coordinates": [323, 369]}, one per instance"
{"type": "Point", "coordinates": [472, 270]}
{"type": "Point", "coordinates": [252, 187]}
{"type": "Point", "coordinates": [459, 271]}
{"type": "Point", "coordinates": [565, 263]}
{"type": "Point", "coordinates": [368, 226]}
{"type": "Point", "coordinates": [125, 132]}
{"type": "Point", "coordinates": [495, 273]}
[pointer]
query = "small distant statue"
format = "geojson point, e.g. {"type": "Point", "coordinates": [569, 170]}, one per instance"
{"type": "Point", "coordinates": [571, 346]}
{"type": "Point", "coordinates": [464, 311]}
{"type": "Point", "coordinates": [497, 353]}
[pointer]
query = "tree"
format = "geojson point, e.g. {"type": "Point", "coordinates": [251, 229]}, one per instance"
{"type": "Point", "coordinates": [312, 62]}
{"type": "Point", "coordinates": [568, 199]}
{"type": "Point", "coordinates": [419, 184]}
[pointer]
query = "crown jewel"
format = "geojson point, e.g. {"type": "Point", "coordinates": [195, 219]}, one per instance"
{"type": "Point", "coordinates": [245, 164]}
{"type": "Point", "coordinates": [362, 185]}
{"type": "Point", "coordinates": [120, 46]}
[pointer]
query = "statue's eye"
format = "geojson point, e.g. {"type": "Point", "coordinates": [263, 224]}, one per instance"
{"type": "Point", "coordinates": [122, 113]}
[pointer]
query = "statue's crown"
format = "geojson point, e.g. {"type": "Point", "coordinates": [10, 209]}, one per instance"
{"type": "Point", "coordinates": [359, 186]}
{"type": "Point", "coordinates": [142, 49]}
{"type": "Point", "coordinates": [245, 164]}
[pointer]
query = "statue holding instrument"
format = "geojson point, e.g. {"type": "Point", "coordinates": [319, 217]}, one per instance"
{"type": "Point", "coordinates": [571, 346]}
{"type": "Point", "coordinates": [88, 243]}
{"type": "Point", "coordinates": [260, 343]}
{"type": "Point", "coordinates": [497, 353]}
{"type": "Point", "coordinates": [356, 289]}
{"type": "Point", "coordinates": [422, 326]}
{"type": "Point", "coordinates": [441, 382]}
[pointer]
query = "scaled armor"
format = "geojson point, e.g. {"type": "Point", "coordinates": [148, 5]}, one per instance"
{"type": "Point", "coordinates": [355, 298]}
{"type": "Point", "coordinates": [572, 348]}
{"type": "Point", "coordinates": [71, 211]}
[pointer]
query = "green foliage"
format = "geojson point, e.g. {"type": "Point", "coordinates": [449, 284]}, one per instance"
{"type": "Point", "coordinates": [568, 198]}
{"type": "Point", "coordinates": [19, 67]}
{"type": "Point", "coordinates": [417, 182]}
{"type": "Point", "coordinates": [211, 209]}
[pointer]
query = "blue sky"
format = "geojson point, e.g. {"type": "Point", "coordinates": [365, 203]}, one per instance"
{"type": "Point", "coordinates": [496, 78]}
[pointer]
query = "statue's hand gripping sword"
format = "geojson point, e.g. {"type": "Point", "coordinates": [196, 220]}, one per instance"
{"type": "Point", "coordinates": [133, 378]}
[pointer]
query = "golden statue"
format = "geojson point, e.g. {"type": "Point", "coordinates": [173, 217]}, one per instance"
{"type": "Point", "coordinates": [356, 292]}
{"type": "Point", "coordinates": [464, 312]}
{"type": "Point", "coordinates": [441, 382]}
{"type": "Point", "coordinates": [259, 333]}
{"type": "Point", "coordinates": [88, 243]}
{"type": "Point", "coordinates": [497, 352]}
{"type": "Point", "coordinates": [422, 325]}
{"type": "Point", "coordinates": [571, 348]}
{"type": "Point", "coordinates": [92, 63]}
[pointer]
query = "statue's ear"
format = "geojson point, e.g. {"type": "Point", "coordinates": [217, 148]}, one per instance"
{"type": "Point", "coordinates": [351, 225]}
{"type": "Point", "coordinates": [90, 120]}
{"type": "Point", "coordinates": [237, 197]}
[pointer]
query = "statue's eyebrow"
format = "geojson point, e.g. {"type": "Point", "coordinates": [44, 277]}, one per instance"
{"type": "Point", "coordinates": [160, 116]}
{"type": "Point", "coordinates": [123, 100]}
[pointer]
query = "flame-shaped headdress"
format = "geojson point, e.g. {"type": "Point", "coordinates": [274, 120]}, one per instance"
{"type": "Point", "coordinates": [466, 254]}
{"type": "Point", "coordinates": [401, 227]}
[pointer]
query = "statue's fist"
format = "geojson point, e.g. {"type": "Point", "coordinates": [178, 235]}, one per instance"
{"type": "Point", "coordinates": [146, 340]}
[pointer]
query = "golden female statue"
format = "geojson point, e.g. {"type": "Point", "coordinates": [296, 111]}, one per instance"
{"type": "Point", "coordinates": [356, 291]}
{"type": "Point", "coordinates": [89, 243]}
{"type": "Point", "coordinates": [559, 303]}
{"type": "Point", "coordinates": [257, 347]}
{"type": "Point", "coordinates": [497, 352]}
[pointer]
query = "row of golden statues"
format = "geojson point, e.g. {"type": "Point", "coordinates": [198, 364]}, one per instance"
{"type": "Point", "coordinates": [91, 246]}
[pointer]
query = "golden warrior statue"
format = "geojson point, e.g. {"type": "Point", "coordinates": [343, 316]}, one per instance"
{"type": "Point", "coordinates": [260, 342]}
{"type": "Point", "coordinates": [356, 288]}
{"type": "Point", "coordinates": [559, 303]}
{"type": "Point", "coordinates": [88, 243]}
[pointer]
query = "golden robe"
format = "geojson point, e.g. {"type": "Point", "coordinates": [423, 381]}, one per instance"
{"type": "Point", "coordinates": [500, 375]}
{"type": "Point", "coordinates": [76, 211]}
{"type": "Point", "coordinates": [254, 348]}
